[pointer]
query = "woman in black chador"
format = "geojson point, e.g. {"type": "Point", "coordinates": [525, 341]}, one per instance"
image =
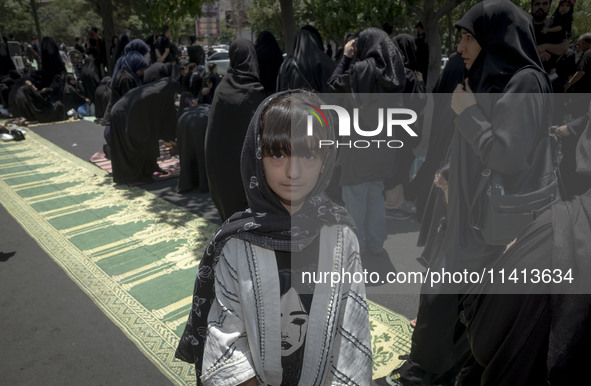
{"type": "Point", "coordinates": [137, 122]}
{"type": "Point", "coordinates": [51, 62]}
{"type": "Point", "coordinates": [370, 65]}
{"type": "Point", "coordinates": [26, 101]}
{"type": "Point", "coordinates": [270, 58]}
{"type": "Point", "coordinates": [309, 67]}
{"type": "Point", "coordinates": [236, 98]}
{"type": "Point", "coordinates": [503, 112]}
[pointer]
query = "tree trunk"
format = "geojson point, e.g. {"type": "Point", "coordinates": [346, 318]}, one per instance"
{"type": "Point", "coordinates": [36, 19]}
{"type": "Point", "coordinates": [289, 28]}
{"type": "Point", "coordinates": [434, 41]}
{"type": "Point", "coordinates": [106, 12]}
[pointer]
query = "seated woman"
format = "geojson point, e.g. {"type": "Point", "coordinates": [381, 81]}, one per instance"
{"type": "Point", "coordinates": [74, 97]}
{"type": "Point", "coordinates": [33, 105]}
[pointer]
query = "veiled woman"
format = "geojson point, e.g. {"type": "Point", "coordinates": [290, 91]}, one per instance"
{"type": "Point", "coordinates": [371, 65]}
{"type": "Point", "coordinates": [51, 61]}
{"type": "Point", "coordinates": [236, 99]}
{"type": "Point", "coordinates": [308, 68]}
{"type": "Point", "coordinates": [137, 121]}
{"type": "Point", "coordinates": [270, 58]}
{"type": "Point", "coordinates": [503, 111]}
{"type": "Point", "coordinates": [126, 76]}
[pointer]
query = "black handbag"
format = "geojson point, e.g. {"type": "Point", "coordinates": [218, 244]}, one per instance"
{"type": "Point", "coordinates": [502, 217]}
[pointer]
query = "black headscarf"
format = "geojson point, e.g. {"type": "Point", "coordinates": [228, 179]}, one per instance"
{"type": "Point", "coordinates": [159, 70]}
{"type": "Point", "coordinates": [266, 223]}
{"type": "Point", "coordinates": [121, 44]}
{"type": "Point", "coordinates": [408, 48]}
{"type": "Point", "coordinates": [315, 34]}
{"type": "Point", "coordinates": [51, 61]}
{"type": "Point", "coordinates": [309, 67]}
{"type": "Point", "coordinates": [506, 35]}
{"type": "Point", "coordinates": [133, 59]}
{"type": "Point", "coordinates": [243, 63]}
{"type": "Point", "coordinates": [270, 58]}
{"type": "Point", "coordinates": [378, 65]}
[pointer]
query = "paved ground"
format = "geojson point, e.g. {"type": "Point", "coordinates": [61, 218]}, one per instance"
{"type": "Point", "coordinates": [52, 333]}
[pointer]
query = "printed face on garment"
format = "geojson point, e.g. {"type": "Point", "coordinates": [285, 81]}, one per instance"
{"type": "Point", "coordinates": [468, 48]}
{"type": "Point", "coordinates": [540, 9]}
{"type": "Point", "coordinates": [292, 178]}
{"type": "Point", "coordinates": [294, 323]}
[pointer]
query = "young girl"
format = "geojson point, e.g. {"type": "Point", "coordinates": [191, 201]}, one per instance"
{"type": "Point", "coordinates": [254, 319]}
{"type": "Point", "coordinates": [560, 25]}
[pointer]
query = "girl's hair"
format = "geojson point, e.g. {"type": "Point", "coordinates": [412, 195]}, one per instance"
{"type": "Point", "coordinates": [570, 12]}
{"type": "Point", "coordinates": [284, 126]}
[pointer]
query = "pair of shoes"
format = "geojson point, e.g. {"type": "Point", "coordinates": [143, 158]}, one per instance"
{"type": "Point", "coordinates": [408, 207]}
{"type": "Point", "coordinates": [392, 379]}
{"type": "Point", "coordinates": [397, 214]}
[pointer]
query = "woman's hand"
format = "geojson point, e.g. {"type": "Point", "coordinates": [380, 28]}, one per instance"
{"type": "Point", "coordinates": [462, 98]}
{"type": "Point", "coordinates": [441, 183]}
{"type": "Point", "coordinates": [349, 50]}
{"type": "Point", "coordinates": [563, 131]}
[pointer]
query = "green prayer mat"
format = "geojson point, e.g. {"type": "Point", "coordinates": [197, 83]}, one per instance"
{"type": "Point", "coordinates": [134, 254]}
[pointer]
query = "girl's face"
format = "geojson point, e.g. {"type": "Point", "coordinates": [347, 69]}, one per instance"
{"type": "Point", "coordinates": [468, 48]}
{"type": "Point", "coordinates": [564, 8]}
{"type": "Point", "coordinates": [292, 178]}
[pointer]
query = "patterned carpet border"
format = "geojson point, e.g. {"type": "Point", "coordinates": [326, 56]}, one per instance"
{"type": "Point", "coordinates": [154, 339]}
{"type": "Point", "coordinates": [169, 163]}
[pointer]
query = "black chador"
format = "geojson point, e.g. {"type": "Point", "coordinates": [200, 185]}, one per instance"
{"type": "Point", "coordinates": [235, 101]}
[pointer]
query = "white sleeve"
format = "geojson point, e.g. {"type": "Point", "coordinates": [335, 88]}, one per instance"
{"type": "Point", "coordinates": [352, 355]}
{"type": "Point", "coordinates": [227, 359]}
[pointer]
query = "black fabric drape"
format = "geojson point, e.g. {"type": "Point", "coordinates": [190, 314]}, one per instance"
{"type": "Point", "coordinates": [415, 98]}
{"type": "Point", "coordinates": [101, 97]}
{"type": "Point", "coordinates": [430, 200]}
{"type": "Point", "coordinates": [90, 78]}
{"type": "Point", "coordinates": [51, 61]}
{"type": "Point", "coordinates": [308, 68]}
{"type": "Point", "coordinates": [269, 57]}
{"type": "Point", "coordinates": [191, 130]}
{"type": "Point", "coordinates": [6, 64]}
{"type": "Point", "coordinates": [29, 103]}
{"type": "Point", "coordinates": [73, 97]}
{"type": "Point", "coordinates": [235, 101]}
{"type": "Point", "coordinates": [377, 67]}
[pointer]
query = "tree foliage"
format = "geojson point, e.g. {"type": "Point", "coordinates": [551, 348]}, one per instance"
{"type": "Point", "coordinates": [266, 15]}
{"type": "Point", "coordinates": [16, 19]}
